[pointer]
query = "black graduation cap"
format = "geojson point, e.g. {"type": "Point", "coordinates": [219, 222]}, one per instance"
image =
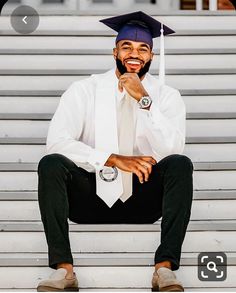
{"type": "Point", "coordinates": [140, 27]}
{"type": "Point", "coordinates": [139, 18]}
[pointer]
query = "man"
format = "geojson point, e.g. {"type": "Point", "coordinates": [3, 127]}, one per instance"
{"type": "Point", "coordinates": [114, 156]}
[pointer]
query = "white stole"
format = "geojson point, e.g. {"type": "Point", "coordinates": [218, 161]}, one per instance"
{"type": "Point", "coordinates": [106, 136]}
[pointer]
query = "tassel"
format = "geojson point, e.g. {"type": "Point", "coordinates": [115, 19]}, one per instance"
{"type": "Point", "coordinates": [162, 58]}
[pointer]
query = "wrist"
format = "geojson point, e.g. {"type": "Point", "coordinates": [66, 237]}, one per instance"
{"type": "Point", "coordinates": [111, 160]}
{"type": "Point", "coordinates": [141, 95]}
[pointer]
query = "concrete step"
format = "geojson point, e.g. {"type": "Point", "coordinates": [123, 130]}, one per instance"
{"type": "Point", "coordinates": [197, 195]}
{"type": "Point", "coordinates": [215, 84]}
{"type": "Point", "coordinates": [48, 116]}
{"type": "Point", "coordinates": [45, 105]}
{"type": "Point", "coordinates": [111, 289]}
{"type": "Point", "coordinates": [91, 64]}
{"type": "Point", "coordinates": [203, 180]}
{"type": "Point", "coordinates": [201, 209]}
{"type": "Point", "coordinates": [42, 140]}
{"type": "Point", "coordinates": [198, 166]}
{"type": "Point", "coordinates": [194, 128]}
{"type": "Point", "coordinates": [193, 226]}
{"type": "Point", "coordinates": [100, 260]}
{"type": "Point", "coordinates": [103, 45]}
{"type": "Point", "coordinates": [112, 277]}
{"type": "Point", "coordinates": [221, 152]}
{"type": "Point", "coordinates": [89, 25]}
{"type": "Point", "coordinates": [113, 239]}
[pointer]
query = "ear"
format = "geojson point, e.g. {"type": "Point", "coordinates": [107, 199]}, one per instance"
{"type": "Point", "coordinates": [115, 53]}
{"type": "Point", "coordinates": [152, 55]}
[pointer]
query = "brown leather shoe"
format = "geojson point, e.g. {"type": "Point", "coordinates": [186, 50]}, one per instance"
{"type": "Point", "coordinates": [58, 282]}
{"type": "Point", "coordinates": [165, 280]}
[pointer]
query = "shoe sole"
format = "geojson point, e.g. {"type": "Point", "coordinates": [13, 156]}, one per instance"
{"type": "Point", "coordinates": [171, 288]}
{"type": "Point", "coordinates": [51, 289]}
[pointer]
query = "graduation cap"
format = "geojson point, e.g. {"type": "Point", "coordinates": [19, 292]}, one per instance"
{"type": "Point", "coordinates": [140, 27]}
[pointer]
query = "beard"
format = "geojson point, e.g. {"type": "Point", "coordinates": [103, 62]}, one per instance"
{"type": "Point", "coordinates": [122, 69]}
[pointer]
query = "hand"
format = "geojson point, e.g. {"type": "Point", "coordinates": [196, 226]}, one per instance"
{"type": "Point", "coordinates": [139, 165]}
{"type": "Point", "coordinates": [132, 83]}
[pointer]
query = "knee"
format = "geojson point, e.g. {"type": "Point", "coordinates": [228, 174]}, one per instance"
{"type": "Point", "coordinates": [180, 164]}
{"type": "Point", "coordinates": [49, 164]}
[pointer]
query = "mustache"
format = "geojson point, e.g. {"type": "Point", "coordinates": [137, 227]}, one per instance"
{"type": "Point", "coordinates": [122, 69]}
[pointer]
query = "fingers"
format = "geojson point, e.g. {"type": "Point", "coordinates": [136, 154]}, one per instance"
{"type": "Point", "coordinates": [120, 87]}
{"type": "Point", "coordinates": [151, 160]}
{"type": "Point", "coordinates": [139, 165]}
{"type": "Point", "coordinates": [144, 171]}
{"type": "Point", "coordinates": [140, 175]}
{"type": "Point", "coordinates": [145, 167]}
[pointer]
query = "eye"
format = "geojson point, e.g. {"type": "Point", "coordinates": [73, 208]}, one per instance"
{"type": "Point", "coordinates": [126, 48]}
{"type": "Point", "coordinates": [143, 49]}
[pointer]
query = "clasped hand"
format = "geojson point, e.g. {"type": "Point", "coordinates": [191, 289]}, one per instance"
{"type": "Point", "coordinates": [139, 165]}
{"type": "Point", "coordinates": [132, 83]}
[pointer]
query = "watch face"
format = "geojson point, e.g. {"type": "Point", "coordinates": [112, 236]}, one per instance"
{"type": "Point", "coordinates": [145, 102]}
{"type": "Point", "coordinates": [108, 174]}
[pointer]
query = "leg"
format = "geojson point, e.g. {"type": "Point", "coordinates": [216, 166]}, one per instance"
{"type": "Point", "coordinates": [176, 207]}
{"type": "Point", "coordinates": [53, 175]}
{"type": "Point", "coordinates": [66, 191]}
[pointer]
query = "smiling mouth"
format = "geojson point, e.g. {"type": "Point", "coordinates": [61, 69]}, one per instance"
{"type": "Point", "coordinates": [134, 62]}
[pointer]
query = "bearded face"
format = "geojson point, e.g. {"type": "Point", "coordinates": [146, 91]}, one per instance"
{"type": "Point", "coordinates": [133, 57]}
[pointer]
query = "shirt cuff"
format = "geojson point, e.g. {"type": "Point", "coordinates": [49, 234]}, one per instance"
{"type": "Point", "coordinates": [154, 115]}
{"type": "Point", "coordinates": [98, 158]}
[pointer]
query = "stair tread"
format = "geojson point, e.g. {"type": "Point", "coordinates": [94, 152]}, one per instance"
{"type": "Point", "coordinates": [231, 165]}
{"type": "Point", "coordinates": [89, 51]}
{"type": "Point", "coordinates": [101, 259]}
{"type": "Point", "coordinates": [192, 139]}
{"type": "Point", "coordinates": [197, 195]}
{"type": "Point", "coordinates": [201, 225]}
{"type": "Point", "coordinates": [48, 116]}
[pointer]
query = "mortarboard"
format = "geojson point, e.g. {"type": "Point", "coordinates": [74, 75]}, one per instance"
{"type": "Point", "coordinates": [140, 27]}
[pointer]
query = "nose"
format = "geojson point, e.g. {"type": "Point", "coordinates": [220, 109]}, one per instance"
{"type": "Point", "coordinates": [134, 52]}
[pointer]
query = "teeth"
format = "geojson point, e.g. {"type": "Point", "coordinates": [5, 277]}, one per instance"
{"type": "Point", "coordinates": [133, 62]}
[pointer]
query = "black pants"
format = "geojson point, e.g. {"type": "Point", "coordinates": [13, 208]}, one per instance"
{"type": "Point", "coordinates": [67, 191]}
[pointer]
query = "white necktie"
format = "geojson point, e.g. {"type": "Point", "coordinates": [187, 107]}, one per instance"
{"type": "Point", "coordinates": [126, 141]}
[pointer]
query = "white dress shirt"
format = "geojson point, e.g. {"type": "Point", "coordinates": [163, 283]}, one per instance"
{"type": "Point", "coordinates": [160, 131]}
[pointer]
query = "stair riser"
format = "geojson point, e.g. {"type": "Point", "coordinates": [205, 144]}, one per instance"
{"type": "Point", "coordinates": [87, 64]}
{"type": "Point", "coordinates": [202, 180]}
{"type": "Point", "coordinates": [56, 25]}
{"type": "Point", "coordinates": [97, 242]}
{"type": "Point", "coordinates": [197, 153]}
{"type": "Point", "coordinates": [65, 44]}
{"type": "Point", "coordinates": [204, 128]}
{"type": "Point", "coordinates": [55, 85]}
{"type": "Point", "coordinates": [103, 277]}
{"type": "Point", "coordinates": [194, 104]}
{"type": "Point", "coordinates": [201, 210]}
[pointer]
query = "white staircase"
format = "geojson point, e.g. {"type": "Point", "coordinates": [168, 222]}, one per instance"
{"type": "Point", "coordinates": [36, 69]}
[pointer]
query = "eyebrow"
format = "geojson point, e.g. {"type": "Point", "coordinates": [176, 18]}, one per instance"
{"type": "Point", "coordinates": [128, 43]}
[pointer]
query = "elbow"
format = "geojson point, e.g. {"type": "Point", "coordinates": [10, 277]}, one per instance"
{"type": "Point", "coordinates": [178, 145]}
